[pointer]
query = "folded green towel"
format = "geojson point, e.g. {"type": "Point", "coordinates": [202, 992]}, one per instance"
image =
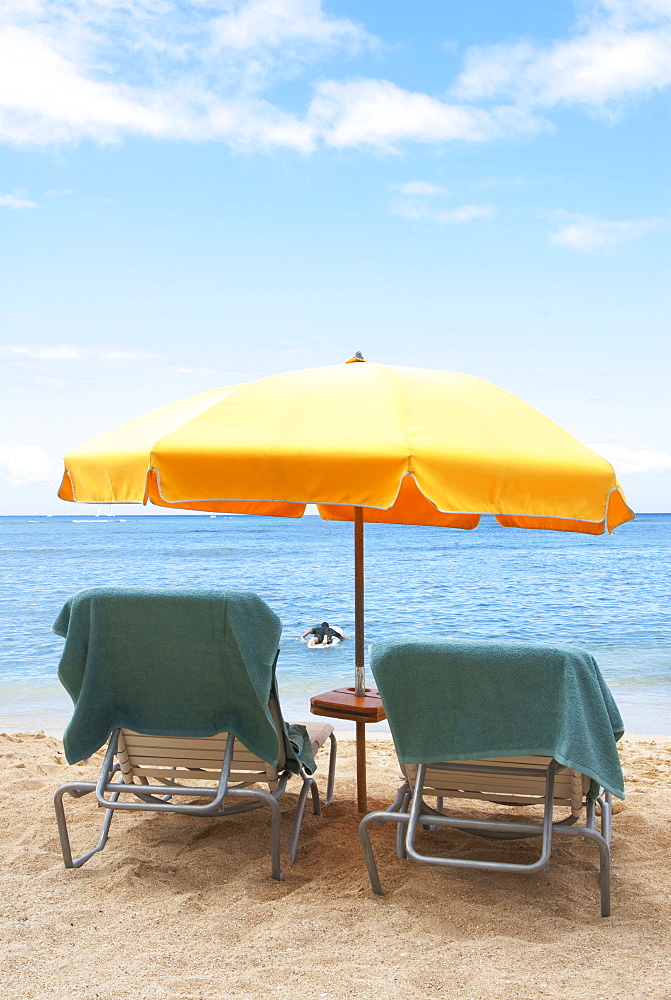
{"type": "Point", "coordinates": [188, 663]}
{"type": "Point", "coordinates": [452, 700]}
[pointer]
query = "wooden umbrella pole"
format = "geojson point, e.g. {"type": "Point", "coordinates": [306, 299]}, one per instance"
{"type": "Point", "coordinates": [359, 667]}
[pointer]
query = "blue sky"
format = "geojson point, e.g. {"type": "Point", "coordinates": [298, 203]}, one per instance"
{"type": "Point", "coordinates": [197, 193]}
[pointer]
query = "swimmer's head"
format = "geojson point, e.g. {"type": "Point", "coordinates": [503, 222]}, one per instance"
{"type": "Point", "coordinates": [325, 625]}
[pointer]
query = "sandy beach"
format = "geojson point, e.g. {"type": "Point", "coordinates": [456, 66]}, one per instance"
{"type": "Point", "coordinates": [183, 907]}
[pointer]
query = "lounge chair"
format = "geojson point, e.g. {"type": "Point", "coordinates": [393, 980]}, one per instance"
{"type": "Point", "coordinates": [185, 683]}
{"type": "Point", "coordinates": [511, 724]}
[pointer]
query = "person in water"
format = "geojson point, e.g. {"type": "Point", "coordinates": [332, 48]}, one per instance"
{"type": "Point", "coordinates": [322, 635]}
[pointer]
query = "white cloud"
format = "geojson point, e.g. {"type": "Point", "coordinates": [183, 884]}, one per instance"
{"type": "Point", "coordinates": [417, 210]}
{"type": "Point", "coordinates": [69, 352]}
{"type": "Point", "coordinates": [624, 14]}
{"type": "Point", "coordinates": [24, 464]}
{"type": "Point", "coordinates": [366, 112]}
{"type": "Point", "coordinates": [60, 352]}
{"type": "Point", "coordinates": [623, 48]}
{"type": "Point", "coordinates": [45, 97]}
{"type": "Point", "coordinates": [624, 461]}
{"type": "Point", "coordinates": [74, 69]}
{"type": "Point", "coordinates": [274, 23]}
{"type": "Point", "coordinates": [415, 206]}
{"type": "Point", "coordinates": [419, 188]}
{"type": "Point", "coordinates": [202, 70]}
{"type": "Point", "coordinates": [188, 370]}
{"type": "Point", "coordinates": [11, 201]}
{"type": "Point", "coordinates": [587, 233]}
{"type": "Point", "coordinates": [120, 355]}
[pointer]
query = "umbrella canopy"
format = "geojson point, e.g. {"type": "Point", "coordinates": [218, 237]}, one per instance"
{"type": "Point", "coordinates": [407, 445]}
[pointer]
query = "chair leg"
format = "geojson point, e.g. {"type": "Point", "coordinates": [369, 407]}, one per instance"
{"type": "Point", "coordinates": [308, 785]}
{"type": "Point", "coordinates": [604, 861]}
{"type": "Point", "coordinates": [78, 789]}
{"type": "Point", "coordinates": [604, 879]}
{"type": "Point", "coordinates": [400, 829]}
{"type": "Point", "coordinates": [316, 801]}
{"type": "Point", "coordinates": [603, 841]}
{"type": "Point", "coordinates": [367, 848]}
{"type": "Point", "coordinates": [606, 815]}
{"type": "Point", "coordinates": [275, 845]}
{"type": "Point", "coordinates": [333, 752]}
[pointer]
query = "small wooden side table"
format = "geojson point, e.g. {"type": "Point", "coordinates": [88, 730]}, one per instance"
{"type": "Point", "coordinates": [342, 703]}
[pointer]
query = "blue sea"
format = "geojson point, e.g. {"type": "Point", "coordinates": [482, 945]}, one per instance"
{"type": "Point", "coordinates": [608, 594]}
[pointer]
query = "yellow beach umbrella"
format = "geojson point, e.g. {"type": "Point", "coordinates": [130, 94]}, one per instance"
{"type": "Point", "coordinates": [364, 442]}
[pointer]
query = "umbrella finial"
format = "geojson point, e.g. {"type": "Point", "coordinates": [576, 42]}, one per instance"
{"type": "Point", "coordinates": [357, 357]}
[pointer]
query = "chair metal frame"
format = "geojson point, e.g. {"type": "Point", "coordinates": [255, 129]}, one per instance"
{"type": "Point", "coordinates": [410, 811]}
{"type": "Point", "coordinates": [157, 798]}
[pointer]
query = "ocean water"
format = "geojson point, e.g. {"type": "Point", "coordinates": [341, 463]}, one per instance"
{"type": "Point", "coordinates": [608, 594]}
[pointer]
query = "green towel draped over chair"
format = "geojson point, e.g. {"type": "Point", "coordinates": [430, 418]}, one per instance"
{"type": "Point", "coordinates": [177, 663]}
{"type": "Point", "coordinates": [454, 700]}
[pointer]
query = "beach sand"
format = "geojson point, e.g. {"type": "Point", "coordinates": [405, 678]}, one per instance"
{"type": "Point", "coordinates": [177, 906]}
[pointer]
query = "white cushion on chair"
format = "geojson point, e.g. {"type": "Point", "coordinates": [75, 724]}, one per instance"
{"type": "Point", "coordinates": [318, 733]}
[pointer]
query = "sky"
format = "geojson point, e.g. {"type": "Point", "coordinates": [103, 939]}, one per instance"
{"type": "Point", "coordinates": [195, 193]}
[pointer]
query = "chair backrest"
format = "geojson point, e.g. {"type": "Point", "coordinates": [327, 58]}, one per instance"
{"type": "Point", "coordinates": [179, 759]}
{"type": "Point", "coordinates": [458, 700]}
{"type": "Point", "coordinates": [189, 662]}
{"type": "Point", "coordinates": [489, 784]}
